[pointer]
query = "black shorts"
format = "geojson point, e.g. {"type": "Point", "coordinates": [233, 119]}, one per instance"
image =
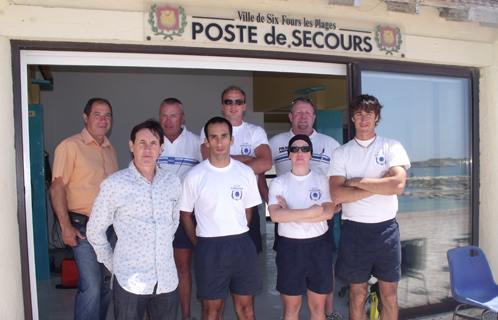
{"type": "Point", "coordinates": [330, 234]}
{"type": "Point", "coordinates": [305, 264]}
{"type": "Point", "coordinates": [223, 263]}
{"type": "Point", "coordinates": [368, 249]}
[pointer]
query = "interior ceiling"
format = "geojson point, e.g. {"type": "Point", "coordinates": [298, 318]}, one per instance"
{"type": "Point", "coordinates": [274, 92]}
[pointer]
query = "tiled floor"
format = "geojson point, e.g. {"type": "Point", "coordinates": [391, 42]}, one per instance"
{"type": "Point", "coordinates": [57, 304]}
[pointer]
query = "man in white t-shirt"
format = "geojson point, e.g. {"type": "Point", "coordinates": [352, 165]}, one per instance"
{"type": "Point", "coordinates": [222, 191]}
{"type": "Point", "coordinates": [180, 154]}
{"type": "Point", "coordinates": [366, 174]}
{"type": "Point", "coordinates": [250, 146]}
{"type": "Point", "coordinates": [302, 116]}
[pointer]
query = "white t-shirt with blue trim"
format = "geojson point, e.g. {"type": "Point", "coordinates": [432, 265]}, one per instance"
{"type": "Point", "coordinates": [323, 146]}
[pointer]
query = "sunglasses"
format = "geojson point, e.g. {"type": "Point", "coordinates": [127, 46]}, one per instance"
{"type": "Point", "coordinates": [228, 102]}
{"type": "Point", "coordinates": [304, 149]}
{"type": "Point", "coordinates": [306, 99]}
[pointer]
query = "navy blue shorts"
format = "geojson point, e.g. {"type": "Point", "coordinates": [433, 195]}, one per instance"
{"type": "Point", "coordinates": [330, 234]}
{"type": "Point", "coordinates": [368, 249]}
{"type": "Point", "coordinates": [305, 264]}
{"type": "Point", "coordinates": [223, 263]}
{"type": "Point", "coordinates": [181, 240]}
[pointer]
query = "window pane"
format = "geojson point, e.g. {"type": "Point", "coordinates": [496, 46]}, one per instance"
{"type": "Point", "coordinates": [430, 116]}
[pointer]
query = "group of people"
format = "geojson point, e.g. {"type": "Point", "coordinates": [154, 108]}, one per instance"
{"type": "Point", "coordinates": [133, 230]}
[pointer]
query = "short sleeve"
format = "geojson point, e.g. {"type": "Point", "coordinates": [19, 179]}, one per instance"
{"type": "Point", "coordinates": [325, 190]}
{"type": "Point", "coordinates": [253, 198]}
{"type": "Point", "coordinates": [64, 159]}
{"type": "Point", "coordinates": [398, 156]}
{"type": "Point", "coordinates": [273, 148]}
{"type": "Point", "coordinates": [259, 137]}
{"type": "Point", "coordinates": [333, 145]}
{"type": "Point", "coordinates": [275, 190]}
{"type": "Point", "coordinates": [202, 136]}
{"type": "Point", "coordinates": [337, 164]}
{"type": "Point", "coordinates": [188, 197]}
{"type": "Point", "coordinates": [198, 154]}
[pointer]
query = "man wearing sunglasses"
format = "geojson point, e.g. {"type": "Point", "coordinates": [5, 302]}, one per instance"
{"type": "Point", "coordinates": [250, 146]}
{"type": "Point", "coordinates": [180, 154]}
{"type": "Point", "coordinates": [302, 117]}
{"type": "Point", "coordinates": [366, 174]}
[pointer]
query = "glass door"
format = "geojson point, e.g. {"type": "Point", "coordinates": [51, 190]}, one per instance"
{"type": "Point", "coordinates": [431, 114]}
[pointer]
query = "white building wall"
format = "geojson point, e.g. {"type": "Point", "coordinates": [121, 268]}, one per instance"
{"type": "Point", "coordinates": [488, 237]}
{"type": "Point", "coordinates": [11, 302]}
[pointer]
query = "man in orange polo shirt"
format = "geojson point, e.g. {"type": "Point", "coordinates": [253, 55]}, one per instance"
{"type": "Point", "coordinates": [81, 163]}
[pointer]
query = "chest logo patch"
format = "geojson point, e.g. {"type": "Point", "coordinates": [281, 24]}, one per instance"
{"type": "Point", "coordinates": [245, 149]}
{"type": "Point", "coordinates": [236, 193]}
{"type": "Point", "coordinates": [315, 194]}
{"type": "Point", "coordinates": [282, 149]}
{"type": "Point", "coordinates": [380, 158]}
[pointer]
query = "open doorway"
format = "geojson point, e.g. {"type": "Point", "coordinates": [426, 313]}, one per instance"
{"type": "Point", "coordinates": [136, 91]}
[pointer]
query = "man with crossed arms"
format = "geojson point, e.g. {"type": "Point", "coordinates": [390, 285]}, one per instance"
{"type": "Point", "coordinates": [366, 174]}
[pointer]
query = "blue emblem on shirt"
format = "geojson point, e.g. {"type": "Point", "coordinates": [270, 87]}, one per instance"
{"type": "Point", "coordinates": [245, 149]}
{"type": "Point", "coordinates": [315, 194]}
{"type": "Point", "coordinates": [380, 158]}
{"type": "Point", "coordinates": [236, 193]}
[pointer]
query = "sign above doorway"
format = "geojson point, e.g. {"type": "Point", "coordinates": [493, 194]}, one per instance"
{"type": "Point", "coordinates": [245, 28]}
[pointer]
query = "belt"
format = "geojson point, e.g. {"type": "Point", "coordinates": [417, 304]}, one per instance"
{"type": "Point", "coordinates": [78, 219]}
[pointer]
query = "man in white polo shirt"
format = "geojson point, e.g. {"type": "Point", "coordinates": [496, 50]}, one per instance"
{"type": "Point", "coordinates": [302, 116]}
{"type": "Point", "coordinates": [366, 174]}
{"type": "Point", "coordinates": [180, 154]}
{"type": "Point", "coordinates": [222, 191]}
{"type": "Point", "coordinates": [250, 146]}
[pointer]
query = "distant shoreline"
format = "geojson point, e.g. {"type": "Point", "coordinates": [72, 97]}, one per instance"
{"type": "Point", "coordinates": [441, 162]}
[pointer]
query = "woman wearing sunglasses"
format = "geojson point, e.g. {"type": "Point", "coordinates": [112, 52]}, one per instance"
{"type": "Point", "coordinates": [300, 202]}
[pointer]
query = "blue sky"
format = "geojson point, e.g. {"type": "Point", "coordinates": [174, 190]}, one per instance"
{"type": "Point", "coordinates": [429, 115]}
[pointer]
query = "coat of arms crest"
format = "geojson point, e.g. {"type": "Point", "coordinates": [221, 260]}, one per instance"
{"type": "Point", "coordinates": [388, 39]}
{"type": "Point", "coordinates": [168, 19]}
